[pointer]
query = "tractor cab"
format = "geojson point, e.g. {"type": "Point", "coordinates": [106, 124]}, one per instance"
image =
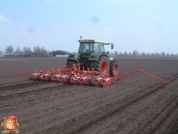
{"type": "Point", "coordinates": [89, 46]}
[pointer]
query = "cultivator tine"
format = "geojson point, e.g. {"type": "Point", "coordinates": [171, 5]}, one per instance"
{"type": "Point", "coordinates": [55, 77]}
{"type": "Point", "coordinates": [26, 73]}
{"type": "Point", "coordinates": [73, 79]}
{"type": "Point", "coordinates": [84, 80]}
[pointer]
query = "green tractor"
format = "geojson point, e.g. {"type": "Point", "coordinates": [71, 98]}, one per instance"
{"type": "Point", "coordinates": [91, 54]}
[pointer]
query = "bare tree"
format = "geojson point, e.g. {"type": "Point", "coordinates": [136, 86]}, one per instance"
{"type": "Point", "coordinates": [157, 54]}
{"type": "Point", "coordinates": [43, 52]}
{"type": "Point", "coordinates": [162, 54]}
{"type": "Point", "coordinates": [135, 53]}
{"type": "Point", "coordinates": [112, 53]}
{"type": "Point", "coordinates": [17, 50]}
{"type": "Point", "coordinates": [40, 51]}
{"type": "Point", "coordinates": [116, 53]}
{"type": "Point", "coordinates": [1, 53]}
{"type": "Point", "coordinates": [27, 51]}
{"type": "Point", "coordinates": [9, 50]}
{"type": "Point", "coordinates": [143, 54]}
{"type": "Point", "coordinates": [172, 55]}
{"type": "Point", "coordinates": [125, 53]}
{"type": "Point", "coordinates": [36, 50]}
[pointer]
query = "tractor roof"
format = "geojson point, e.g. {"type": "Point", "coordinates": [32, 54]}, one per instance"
{"type": "Point", "coordinates": [90, 40]}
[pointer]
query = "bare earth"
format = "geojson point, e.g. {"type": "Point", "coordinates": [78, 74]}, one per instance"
{"type": "Point", "coordinates": [135, 105]}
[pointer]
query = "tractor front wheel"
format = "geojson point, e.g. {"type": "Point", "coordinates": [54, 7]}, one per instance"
{"type": "Point", "coordinates": [70, 63]}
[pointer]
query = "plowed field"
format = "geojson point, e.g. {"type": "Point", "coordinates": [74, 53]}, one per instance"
{"type": "Point", "coordinates": [137, 104]}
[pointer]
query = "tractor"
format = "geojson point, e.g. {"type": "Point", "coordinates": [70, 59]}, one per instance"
{"type": "Point", "coordinates": [91, 54]}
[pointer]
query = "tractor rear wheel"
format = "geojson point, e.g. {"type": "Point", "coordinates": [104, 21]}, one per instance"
{"type": "Point", "coordinates": [113, 68]}
{"type": "Point", "coordinates": [102, 65]}
{"type": "Point", "coordinates": [70, 63]}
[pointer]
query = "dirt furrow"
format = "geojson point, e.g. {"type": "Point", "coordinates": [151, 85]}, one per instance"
{"type": "Point", "coordinates": [116, 122]}
{"type": "Point", "coordinates": [131, 115]}
{"type": "Point", "coordinates": [21, 85]}
{"type": "Point", "coordinates": [153, 118]}
{"type": "Point", "coordinates": [160, 117]}
{"type": "Point", "coordinates": [13, 83]}
{"type": "Point", "coordinates": [167, 122]}
{"type": "Point", "coordinates": [136, 100]}
{"type": "Point", "coordinates": [51, 110]}
{"type": "Point", "coordinates": [92, 118]}
{"type": "Point", "coordinates": [170, 126]}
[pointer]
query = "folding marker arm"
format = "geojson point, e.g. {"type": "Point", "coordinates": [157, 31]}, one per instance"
{"type": "Point", "coordinates": [141, 71]}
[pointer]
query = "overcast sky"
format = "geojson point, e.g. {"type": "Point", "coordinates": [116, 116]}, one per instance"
{"type": "Point", "coordinates": [144, 25]}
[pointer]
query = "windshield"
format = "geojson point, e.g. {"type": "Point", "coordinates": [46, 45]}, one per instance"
{"type": "Point", "coordinates": [86, 47]}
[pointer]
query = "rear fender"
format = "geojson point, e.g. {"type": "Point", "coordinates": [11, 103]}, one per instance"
{"type": "Point", "coordinates": [95, 57]}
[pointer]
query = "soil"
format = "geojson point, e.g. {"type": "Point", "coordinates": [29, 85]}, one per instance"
{"type": "Point", "coordinates": [137, 104]}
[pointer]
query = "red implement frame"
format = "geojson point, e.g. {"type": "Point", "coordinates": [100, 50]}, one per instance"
{"type": "Point", "coordinates": [77, 76]}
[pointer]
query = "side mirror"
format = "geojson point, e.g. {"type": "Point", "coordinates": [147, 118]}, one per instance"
{"type": "Point", "coordinates": [112, 46]}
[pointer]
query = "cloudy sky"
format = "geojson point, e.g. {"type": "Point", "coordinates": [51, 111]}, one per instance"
{"type": "Point", "coordinates": [142, 25]}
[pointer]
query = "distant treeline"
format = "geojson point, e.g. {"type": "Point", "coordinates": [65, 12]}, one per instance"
{"type": "Point", "coordinates": [42, 52]}
{"type": "Point", "coordinates": [26, 52]}
{"type": "Point", "coordinates": [143, 54]}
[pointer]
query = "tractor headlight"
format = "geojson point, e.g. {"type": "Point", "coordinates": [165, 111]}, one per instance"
{"type": "Point", "coordinates": [92, 56]}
